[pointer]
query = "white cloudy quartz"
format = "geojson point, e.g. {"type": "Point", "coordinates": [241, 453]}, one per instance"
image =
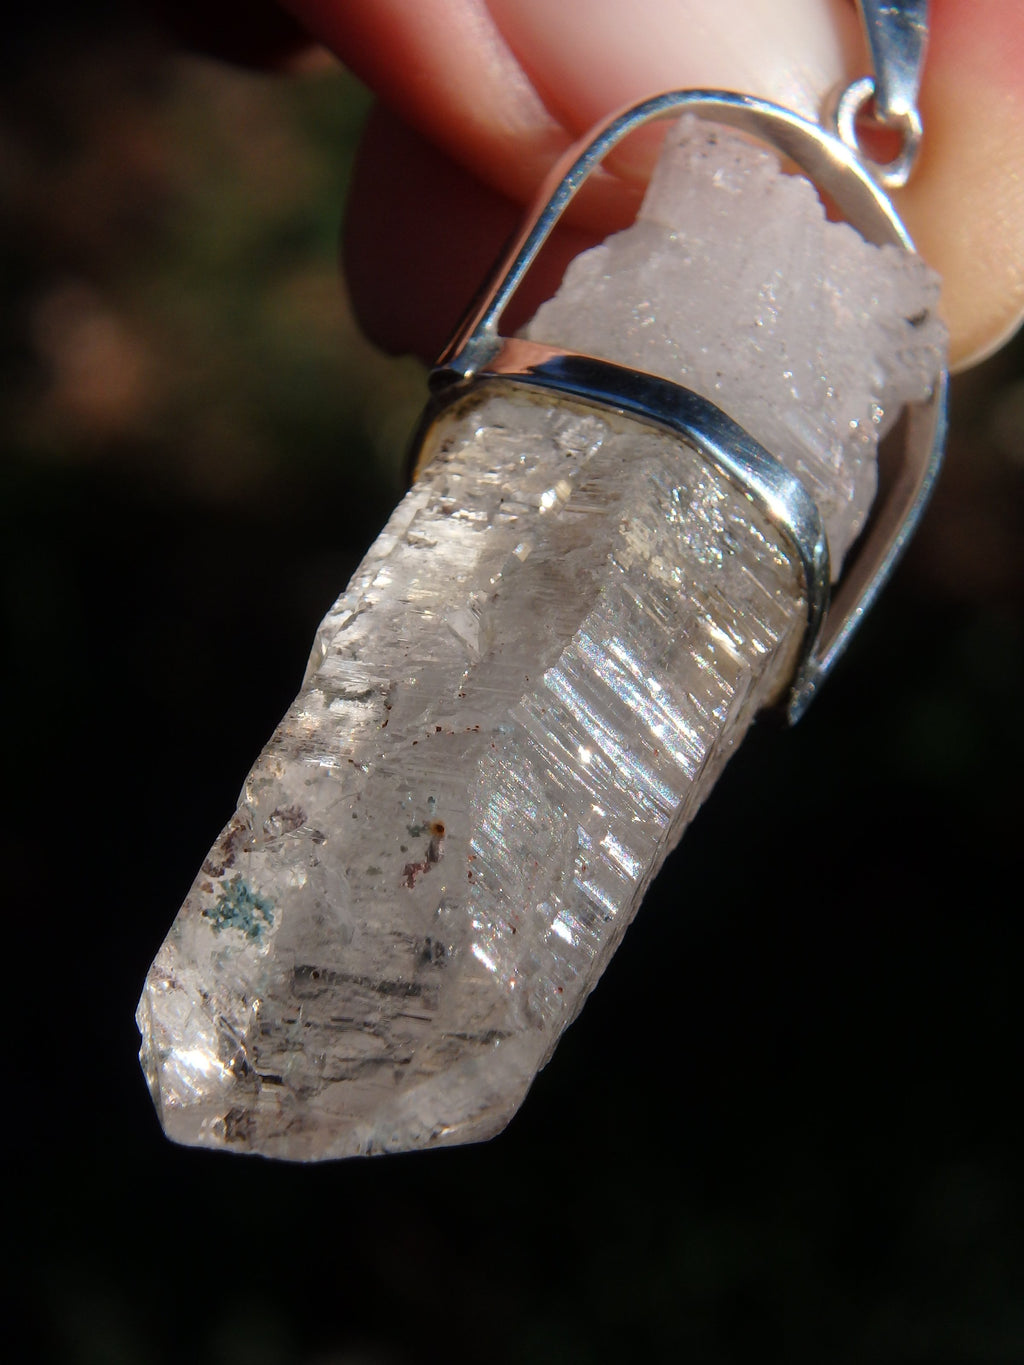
{"type": "Point", "coordinates": [525, 692]}
{"type": "Point", "coordinates": [733, 283]}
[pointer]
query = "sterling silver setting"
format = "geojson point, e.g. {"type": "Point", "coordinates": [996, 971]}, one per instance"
{"type": "Point", "coordinates": [478, 355]}
{"type": "Point", "coordinates": [540, 703]}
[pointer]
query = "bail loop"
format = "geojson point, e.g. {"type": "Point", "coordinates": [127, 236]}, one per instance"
{"type": "Point", "coordinates": [478, 353]}
{"type": "Point", "coordinates": [897, 35]}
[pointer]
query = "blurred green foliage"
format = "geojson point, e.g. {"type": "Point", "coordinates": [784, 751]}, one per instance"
{"type": "Point", "coordinates": [171, 298]}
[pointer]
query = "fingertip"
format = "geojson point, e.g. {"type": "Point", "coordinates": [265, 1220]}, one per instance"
{"type": "Point", "coordinates": [964, 207]}
{"type": "Point", "coordinates": [421, 234]}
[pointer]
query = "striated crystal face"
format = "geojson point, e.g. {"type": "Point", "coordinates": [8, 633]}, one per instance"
{"type": "Point", "coordinates": [509, 718]}
{"type": "Point", "coordinates": [528, 688]}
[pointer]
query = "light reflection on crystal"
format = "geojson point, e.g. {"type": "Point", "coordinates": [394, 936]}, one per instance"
{"type": "Point", "coordinates": [201, 1064]}
{"type": "Point", "coordinates": [559, 771]}
{"type": "Point", "coordinates": [509, 718]}
{"type": "Point", "coordinates": [621, 855]}
{"type": "Point", "coordinates": [560, 926]}
{"type": "Point", "coordinates": [481, 956]}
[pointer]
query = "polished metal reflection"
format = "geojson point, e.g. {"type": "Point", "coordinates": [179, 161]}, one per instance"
{"type": "Point", "coordinates": [478, 353]}
{"type": "Point", "coordinates": [897, 37]}
{"type": "Point", "coordinates": [897, 34]}
{"type": "Point", "coordinates": [847, 109]}
{"type": "Point", "coordinates": [722, 442]}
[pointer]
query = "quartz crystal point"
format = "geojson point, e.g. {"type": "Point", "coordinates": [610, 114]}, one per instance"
{"type": "Point", "coordinates": [529, 686]}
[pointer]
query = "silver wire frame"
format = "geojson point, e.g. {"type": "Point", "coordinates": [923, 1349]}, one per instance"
{"type": "Point", "coordinates": [478, 354]}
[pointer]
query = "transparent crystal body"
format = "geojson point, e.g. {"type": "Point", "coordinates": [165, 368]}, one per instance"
{"type": "Point", "coordinates": [529, 687]}
{"type": "Point", "coordinates": [442, 844]}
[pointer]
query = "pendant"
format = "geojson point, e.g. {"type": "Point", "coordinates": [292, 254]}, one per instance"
{"type": "Point", "coordinates": [618, 551]}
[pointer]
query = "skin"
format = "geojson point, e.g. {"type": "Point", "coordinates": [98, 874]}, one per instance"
{"type": "Point", "coordinates": [479, 97]}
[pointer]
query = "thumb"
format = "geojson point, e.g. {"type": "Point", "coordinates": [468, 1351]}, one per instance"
{"type": "Point", "coordinates": [501, 87]}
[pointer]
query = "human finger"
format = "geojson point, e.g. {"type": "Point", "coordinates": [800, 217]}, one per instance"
{"type": "Point", "coordinates": [503, 86]}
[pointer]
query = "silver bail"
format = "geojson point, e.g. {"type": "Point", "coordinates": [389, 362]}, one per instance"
{"type": "Point", "coordinates": [478, 353]}
{"type": "Point", "coordinates": [897, 36]}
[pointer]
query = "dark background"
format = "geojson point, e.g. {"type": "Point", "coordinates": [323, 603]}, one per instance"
{"type": "Point", "coordinates": [786, 1127]}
